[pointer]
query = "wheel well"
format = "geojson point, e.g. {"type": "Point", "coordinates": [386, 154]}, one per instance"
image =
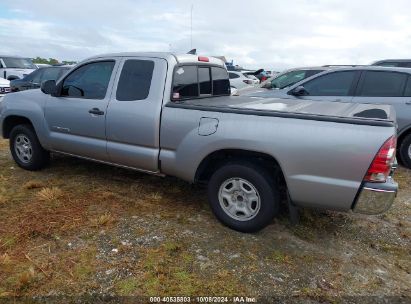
{"type": "Point", "coordinates": [216, 159]}
{"type": "Point", "coordinates": [12, 77]}
{"type": "Point", "coordinates": [403, 134]}
{"type": "Point", "coordinates": [11, 121]}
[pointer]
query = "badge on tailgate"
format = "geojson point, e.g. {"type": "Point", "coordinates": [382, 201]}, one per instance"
{"type": "Point", "coordinates": [207, 126]}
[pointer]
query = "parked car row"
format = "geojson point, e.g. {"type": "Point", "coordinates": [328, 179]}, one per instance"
{"type": "Point", "coordinates": [34, 79]}
{"type": "Point", "coordinates": [357, 84]}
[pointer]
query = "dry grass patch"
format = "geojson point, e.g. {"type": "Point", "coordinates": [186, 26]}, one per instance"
{"type": "Point", "coordinates": [103, 220]}
{"type": "Point", "coordinates": [49, 194]}
{"type": "Point", "coordinates": [33, 184]}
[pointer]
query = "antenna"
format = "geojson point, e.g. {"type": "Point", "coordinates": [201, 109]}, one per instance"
{"type": "Point", "coordinates": [191, 27]}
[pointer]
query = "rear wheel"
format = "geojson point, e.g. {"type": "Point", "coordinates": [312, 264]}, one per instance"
{"type": "Point", "coordinates": [243, 196]}
{"type": "Point", "coordinates": [405, 151]}
{"type": "Point", "coordinates": [26, 149]}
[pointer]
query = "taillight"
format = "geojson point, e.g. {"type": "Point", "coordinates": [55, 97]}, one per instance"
{"type": "Point", "coordinates": [383, 162]}
{"type": "Point", "coordinates": [248, 81]}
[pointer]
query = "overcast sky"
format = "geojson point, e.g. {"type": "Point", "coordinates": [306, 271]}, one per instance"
{"type": "Point", "coordinates": [269, 34]}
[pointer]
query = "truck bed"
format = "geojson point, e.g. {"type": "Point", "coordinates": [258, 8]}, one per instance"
{"type": "Point", "coordinates": [344, 112]}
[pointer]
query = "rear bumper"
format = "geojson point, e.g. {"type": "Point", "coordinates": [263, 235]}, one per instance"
{"type": "Point", "coordinates": [376, 198]}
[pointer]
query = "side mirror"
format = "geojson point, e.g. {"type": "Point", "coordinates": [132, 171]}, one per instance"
{"type": "Point", "coordinates": [299, 91]}
{"type": "Point", "coordinates": [49, 87]}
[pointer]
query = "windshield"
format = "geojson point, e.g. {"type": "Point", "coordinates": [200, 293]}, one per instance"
{"type": "Point", "coordinates": [292, 77]}
{"type": "Point", "coordinates": [18, 63]}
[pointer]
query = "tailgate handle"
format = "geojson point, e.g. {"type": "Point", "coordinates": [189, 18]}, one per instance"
{"type": "Point", "coordinates": [408, 102]}
{"type": "Point", "coordinates": [96, 111]}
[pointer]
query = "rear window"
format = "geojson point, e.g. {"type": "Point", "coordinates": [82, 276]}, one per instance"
{"type": "Point", "coordinates": [135, 80]}
{"type": "Point", "coordinates": [383, 84]}
{"type": "Point", "coordinates": [185, 82]}
{"type": "Point", "coordinates": [221, 83]}
{"type": "Point", "coordinates": [195, 81]}
{"type": "Point", "coordinates": [204, 78]}
{"type": "Point", "coordinates": [233, 75]}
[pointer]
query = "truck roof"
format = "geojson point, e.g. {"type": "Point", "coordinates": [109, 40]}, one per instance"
{"type": "Point", "coordinates": [180, 58]}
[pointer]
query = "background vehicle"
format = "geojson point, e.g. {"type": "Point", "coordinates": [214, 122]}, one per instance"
{"type": "Point", "coordinates": [42, 65]}
{"type": "Point", "coordinates": [289, 77]}
{"type": "Point", "coordinates": [14, 67]}
{"type": "Point", "coordinates": [403, 63]}
{"type": "Point", "coordinates": [238, 80]}
{"type": "Point", "coordinates": [170, 114]}
{"type": "Point", "coordinates": [283, 80]}
{"type": "Point", "coordinates": [4, 87]}
{"type": "Point", "coordinates": [362, 84]}
{"type": "Point", "coordinates": [34, 79]}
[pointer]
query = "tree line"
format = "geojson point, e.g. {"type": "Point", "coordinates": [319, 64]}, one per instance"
{"type": "Point", "coordinates": [51, 61]}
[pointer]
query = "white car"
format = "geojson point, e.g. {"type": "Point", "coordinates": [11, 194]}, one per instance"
{"type": "Point", "coordinates": [15, 67]}
{"type": "Point", "coordinates": [4, 87]}
{"type": "Point", "coordinates": [238, 80]}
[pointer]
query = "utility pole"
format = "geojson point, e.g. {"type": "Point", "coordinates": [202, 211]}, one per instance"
{"type": "Point", "coordinates": [191, 27]}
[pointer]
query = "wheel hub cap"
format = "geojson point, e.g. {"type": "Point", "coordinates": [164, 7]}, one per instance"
{"type": "Point", "coordinates": [239, 199]}
{"type": "Point", "coordinates": [23, 148]}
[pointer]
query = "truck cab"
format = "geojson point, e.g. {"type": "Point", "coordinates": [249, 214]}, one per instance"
{"type": "Point", "coordinates": [15, 67]}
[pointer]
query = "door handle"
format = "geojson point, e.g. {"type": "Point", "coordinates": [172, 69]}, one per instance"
{"type": "Point", "coordinates": [408, 103]}
{"type": "Point", "coordinates": [96, 111]}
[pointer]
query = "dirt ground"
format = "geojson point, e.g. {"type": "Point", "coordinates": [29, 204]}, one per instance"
{"type": "Point", "coordinates": [80, 228]}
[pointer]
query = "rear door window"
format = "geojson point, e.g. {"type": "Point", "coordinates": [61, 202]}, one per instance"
{"type": "Point", "coordinates": [135, 80]}
{"type": "Point", "coordinates": [407, 91]}
{"type": "Point", "coordinates": [382, 84]}
{"type": "Point", "coordinates": [332, 84]}
{"type": "Point", "coordinates": [221, 83]}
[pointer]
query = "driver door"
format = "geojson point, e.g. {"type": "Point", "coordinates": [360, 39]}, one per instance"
{"type": "Point", "coordinates": [76, 116]}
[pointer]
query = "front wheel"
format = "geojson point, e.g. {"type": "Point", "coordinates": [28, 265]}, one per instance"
{"type": "Point", "coordinates": [243, 196]}
{"type": "Point", "coordinates": [405, 151]}
{"type": "Point", "coordinates": [26, 149]}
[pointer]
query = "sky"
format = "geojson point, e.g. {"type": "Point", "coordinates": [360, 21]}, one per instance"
{"type": "Point", "coordinates": [266, 34]}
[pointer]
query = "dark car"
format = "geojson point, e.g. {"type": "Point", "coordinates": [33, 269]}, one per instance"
{"type": "Point", "coordinates": [34, 79]}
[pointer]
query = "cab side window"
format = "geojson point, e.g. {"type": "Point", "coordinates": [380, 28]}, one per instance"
{"type": "Point", "coordinates": [135, 80]}
{"type": "Point", "coordinates": [332, 84]}
{"type": "Point", "coordinates": [89, 81]}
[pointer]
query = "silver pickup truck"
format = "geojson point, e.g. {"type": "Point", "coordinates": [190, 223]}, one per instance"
{"type": "Point", "coordinates": [170, 114]}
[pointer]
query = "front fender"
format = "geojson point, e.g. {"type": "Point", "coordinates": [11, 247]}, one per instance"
{"type": "Point", "coordinates": [27, 104]}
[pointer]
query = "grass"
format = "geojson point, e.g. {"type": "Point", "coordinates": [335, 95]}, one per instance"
{"type": "Point", "coordinates": [59, 227]}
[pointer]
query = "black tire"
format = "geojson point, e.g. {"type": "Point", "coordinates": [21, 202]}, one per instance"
{"type": "Point", "coordinates": [39, 156]}
{"type": "Point", "coordinates": [262, 181]}
{"type": "Point", "coordinates": [404, 151]}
